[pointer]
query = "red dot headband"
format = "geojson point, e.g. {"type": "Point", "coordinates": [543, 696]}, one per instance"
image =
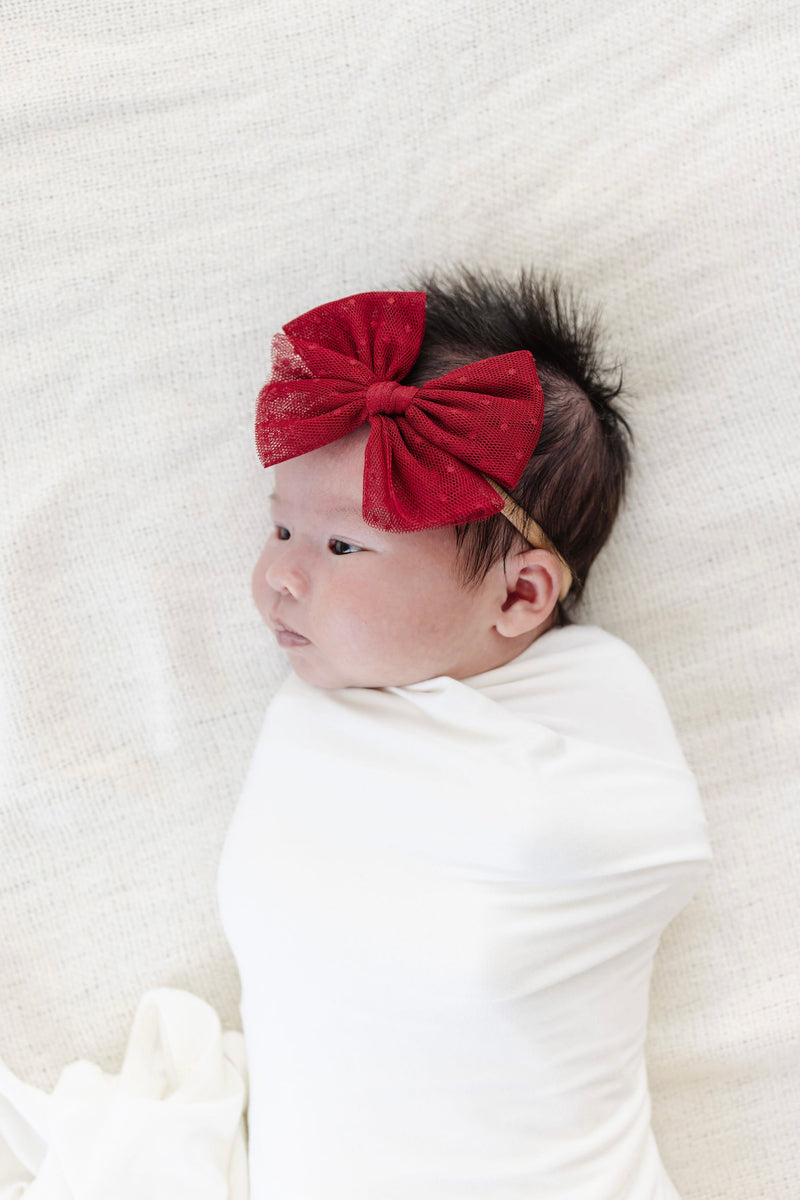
{"type": "Point", "coordinates": [445, 453]}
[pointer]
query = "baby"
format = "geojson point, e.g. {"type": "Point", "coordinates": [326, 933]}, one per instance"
{"type": "Point", "coordinates": [467, 820]}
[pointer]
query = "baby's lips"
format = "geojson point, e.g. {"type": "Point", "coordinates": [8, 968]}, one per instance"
{"type": "Point", "coordinates": [286, 637]}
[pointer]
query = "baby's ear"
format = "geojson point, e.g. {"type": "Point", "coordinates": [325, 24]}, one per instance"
{"type": "Point", "coordinates": [533, 581]}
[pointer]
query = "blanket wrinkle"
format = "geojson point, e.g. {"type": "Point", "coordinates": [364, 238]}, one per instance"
{"type": "Point", "coordinates": [170, 1126]}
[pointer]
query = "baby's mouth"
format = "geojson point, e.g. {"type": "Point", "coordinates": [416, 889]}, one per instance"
{"type": "Point", "coordinates": [287, 638]}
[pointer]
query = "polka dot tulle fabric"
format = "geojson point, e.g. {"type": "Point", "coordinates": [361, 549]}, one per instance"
{"type": "Point", "coordinates": [342, 364]}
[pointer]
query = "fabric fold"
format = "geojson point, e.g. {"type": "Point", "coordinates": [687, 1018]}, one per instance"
{"type": "Point", "coordinates": [170, 1126]}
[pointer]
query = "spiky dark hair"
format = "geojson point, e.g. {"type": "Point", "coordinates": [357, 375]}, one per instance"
{"type": "Point", "coordinates": [574, 483]}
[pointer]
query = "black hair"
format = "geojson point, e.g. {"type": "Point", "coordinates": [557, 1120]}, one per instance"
{"type": "Point", "coordinates": [574, 483]}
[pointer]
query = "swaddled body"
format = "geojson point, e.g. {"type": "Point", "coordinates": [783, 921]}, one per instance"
{"type": "Point", "coordinates": [467, 820]}
{"type": "Point", "coordinates": [444, 901]}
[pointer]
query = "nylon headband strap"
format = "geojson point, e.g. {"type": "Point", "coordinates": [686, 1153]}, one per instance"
{"type": "Point", "coordinates": [531, 531]}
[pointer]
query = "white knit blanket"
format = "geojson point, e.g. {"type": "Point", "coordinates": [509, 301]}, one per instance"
{"type": "Point", "coordinates": [170, 1126]}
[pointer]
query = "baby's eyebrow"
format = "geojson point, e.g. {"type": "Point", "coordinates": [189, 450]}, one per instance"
{"type": "Point", "coordinates": [336, 510]}
{"type": "Point", "coordinates": [343, 510]}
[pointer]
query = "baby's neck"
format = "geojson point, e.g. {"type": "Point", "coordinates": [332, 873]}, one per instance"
{"type": "Point", "coordinates": [503, 650]}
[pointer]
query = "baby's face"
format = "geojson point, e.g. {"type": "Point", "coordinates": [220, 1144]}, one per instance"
{"type": "Point", "coordinates": [355, 606]}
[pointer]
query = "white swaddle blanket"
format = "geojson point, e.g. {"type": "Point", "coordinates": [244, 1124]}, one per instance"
{"type": "Point", "coordinates": [170, 1126]}
{"type": "Point", "coordinates": [444, 900]}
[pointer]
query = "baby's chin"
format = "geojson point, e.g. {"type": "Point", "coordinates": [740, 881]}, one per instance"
{"type": "Point", "coordinates": [321, 676]}
{"type": "Point", "coordinates": [331, 679]}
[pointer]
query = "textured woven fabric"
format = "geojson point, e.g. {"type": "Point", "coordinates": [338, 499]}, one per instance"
{"type": "Point", "coordinates": [429, 448]}
{"type": "Point", "coordinates": [179, 178]}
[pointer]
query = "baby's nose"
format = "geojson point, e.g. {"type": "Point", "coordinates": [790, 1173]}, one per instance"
{"type": "Point", "coordinates": [285, 573]}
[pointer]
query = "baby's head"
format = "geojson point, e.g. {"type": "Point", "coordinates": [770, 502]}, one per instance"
{"type": "Point", "coordinates": [371, 577]}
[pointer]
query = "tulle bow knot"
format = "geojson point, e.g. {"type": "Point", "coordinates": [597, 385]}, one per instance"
{"type": "Point", "coordinates": [388, 397]}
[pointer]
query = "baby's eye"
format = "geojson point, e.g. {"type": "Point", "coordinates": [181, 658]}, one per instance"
{"type": "Point", "coordinates": [337, 546]}
{"type": "Point", "coordinates": [282, 533]}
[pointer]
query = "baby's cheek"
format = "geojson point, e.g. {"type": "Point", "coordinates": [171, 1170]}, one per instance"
{"type": "Point", "coordinates": [371, 624]}
{"type": "Point", "coordinates": [262, 593]}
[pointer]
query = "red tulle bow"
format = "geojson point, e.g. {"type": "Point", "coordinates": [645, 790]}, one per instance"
{"type": "Point", "coordinates": [429, 447]}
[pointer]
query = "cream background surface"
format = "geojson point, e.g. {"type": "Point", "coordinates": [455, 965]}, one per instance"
{"type": "Point", "coordinates": [179, 180]}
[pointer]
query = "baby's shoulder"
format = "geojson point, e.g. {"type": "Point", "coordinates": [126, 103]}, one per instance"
{"type": "Point", "coordinates": [577, 656]}
{"type": "Point", "coordinates": [581, 681]}
{"type": "Point", "coordinates": [587, 651]}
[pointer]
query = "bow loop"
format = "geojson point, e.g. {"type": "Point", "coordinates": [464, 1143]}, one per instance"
{"type": "Point", "coordinates": [381, 331]}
